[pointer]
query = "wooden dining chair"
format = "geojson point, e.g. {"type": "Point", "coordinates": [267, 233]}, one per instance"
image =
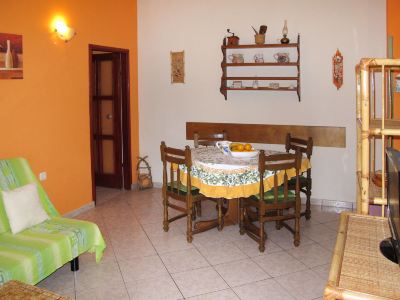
{"type": "Point", "coordinates": [178, 196]}
{"type": "Point", "coordinates": [303, 146]}
{"type": "Point", "coordinates": [274, 204]}
{"type": "Point", "coordinates": [208, 139]}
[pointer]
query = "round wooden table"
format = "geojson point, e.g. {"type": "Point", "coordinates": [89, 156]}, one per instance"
{"type": "Point", "coordinates": [218, 176]}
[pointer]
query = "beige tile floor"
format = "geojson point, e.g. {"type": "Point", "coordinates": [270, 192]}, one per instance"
{"type": "Point", "coordinates": [143, 262]}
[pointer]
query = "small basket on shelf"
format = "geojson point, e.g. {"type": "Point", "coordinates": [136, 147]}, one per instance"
{"type": "Point", "coordinates": [259, 37]}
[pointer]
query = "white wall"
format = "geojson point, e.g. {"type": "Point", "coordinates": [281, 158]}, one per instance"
{"type": "Point", "coordinates": [356, 27]}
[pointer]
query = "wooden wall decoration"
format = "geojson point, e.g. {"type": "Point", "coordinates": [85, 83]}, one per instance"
{"type": "Point", "coordinates": [178, 67]}
{"type": "Point", "coordinates": [323, 136]}
{"type": "Point", "coordinates": [337, 69]}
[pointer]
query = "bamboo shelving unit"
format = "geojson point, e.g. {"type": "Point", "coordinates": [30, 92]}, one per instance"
{"type": "Point", "coordinates": [371, 126]}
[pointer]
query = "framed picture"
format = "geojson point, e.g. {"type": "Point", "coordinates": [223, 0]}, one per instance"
{"type": "Point", "coordinates": [11, 59]}
{"type": "Point", "coordinates": [178, 67]}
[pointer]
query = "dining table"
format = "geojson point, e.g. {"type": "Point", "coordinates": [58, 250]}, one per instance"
{"type": "Point", "coordinates": [218, 175]}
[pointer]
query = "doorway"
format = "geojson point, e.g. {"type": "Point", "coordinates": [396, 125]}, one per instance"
{"type": "Point", "coordinates": [109, 118]}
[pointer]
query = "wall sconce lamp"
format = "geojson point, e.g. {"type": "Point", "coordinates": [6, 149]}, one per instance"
{"type": "Point", "coordinates": [63, 31]}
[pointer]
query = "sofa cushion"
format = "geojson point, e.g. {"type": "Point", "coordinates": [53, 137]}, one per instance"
{"type": "Point", "coordinates": [23, 207]}
{"type": "Point", "coordinates": [16, 172]}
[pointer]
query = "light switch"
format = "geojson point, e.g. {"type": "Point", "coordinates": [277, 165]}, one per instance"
{"type": "Point", "coordinates": [42, 176]}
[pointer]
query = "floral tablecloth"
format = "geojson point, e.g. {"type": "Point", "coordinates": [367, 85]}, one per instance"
{"type": "Point", "coordinates": [222, 176]}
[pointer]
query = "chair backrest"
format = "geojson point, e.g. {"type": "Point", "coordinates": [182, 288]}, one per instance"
{"type": "Point", "coordinates": [296, 144]}
{"type": "Point", "coordinates": [208, 139]}
{"type": "Point", "coordinates": [172, 159]}
{"type": "Point", "coordinates": [279, 164]}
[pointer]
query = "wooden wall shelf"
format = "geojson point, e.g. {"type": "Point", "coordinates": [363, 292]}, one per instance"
{"type": "Point", "coordinates": [292, 45]}
{"type": "Point", "coordinates": [267, 64]}
{"type": "Point", "coordinates": [259, 78]}
{"type": "Point", "coordinates": [260, 89]}
{"type": "Point", "coordinates": [225, 65]}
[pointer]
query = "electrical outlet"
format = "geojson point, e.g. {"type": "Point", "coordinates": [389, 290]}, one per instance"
{"type": "Point", "coordinates": [42, 176]}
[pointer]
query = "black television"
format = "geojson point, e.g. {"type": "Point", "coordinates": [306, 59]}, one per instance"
{"type": "Point", "coordinates": [390, 247]}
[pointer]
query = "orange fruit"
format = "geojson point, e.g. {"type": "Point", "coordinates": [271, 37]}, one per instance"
{"type": "Point", "coordinates": [248, 147]}
{"type": "Point", "coordinates": [240, 147]}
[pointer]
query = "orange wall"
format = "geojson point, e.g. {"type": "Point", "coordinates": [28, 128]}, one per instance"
{"type": "Point", "coordinates": [45, 116]}
{"type": "Point", "coordinates": [393, 24]}
{"type": "Point", "coordinates": [393, 29]}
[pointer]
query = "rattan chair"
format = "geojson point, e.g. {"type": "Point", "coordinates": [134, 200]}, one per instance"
{"type": "Point", "coordinates": [178, 196]}
{"type": "Point", "coordinates": [208, 139]}
{"type": "Point", "coordinates": [278, 204]}
{"type": "Point", "coordinates": [306, 147]}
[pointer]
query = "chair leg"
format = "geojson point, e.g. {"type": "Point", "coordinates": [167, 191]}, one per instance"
{"type": "Point", "coordinates": [194, 211]}
{"type": "Point", "coordinates": [165, 222]}
{"type": "Point", "coordinates": [297, 225]}
{"type": "Point", "coordinates": [278, 224]}
{"type": "Point", "coordinates": [220, 218]}
{"type": "Point", "coordinates": [308, 208]}
{"type": "Point", "coordinates": [262, 237]}
{"type": "Point", "coordinates": [241, 216]}
{"type": "Point", "coordinates": [189, 235]}
{"type": "Point", "coordinates": [75, 264]}
{"type": "Point", "coordinates": [308, 204]}
{"type": "Point", "coordinates": [297, 232]}
{"type": "Point", "coordinates": [198, 207]}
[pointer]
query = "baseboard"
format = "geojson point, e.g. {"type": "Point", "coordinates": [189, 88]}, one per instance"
{"type": "Point", "coordinates": [157, 185]}
{"type": "Point", "coordinates": [135, 186]}
{"type": "Point", "coordinates": [79, 210]}
{"type": "Point", "coordinates": [330, 203]}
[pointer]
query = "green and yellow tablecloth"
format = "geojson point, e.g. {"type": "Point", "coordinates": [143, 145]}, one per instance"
{"type": "Point", "coordinates": [221, 176]}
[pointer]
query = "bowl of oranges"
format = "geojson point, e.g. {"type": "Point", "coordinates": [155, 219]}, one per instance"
{"type": "Point", "coordinates": [239, 150]}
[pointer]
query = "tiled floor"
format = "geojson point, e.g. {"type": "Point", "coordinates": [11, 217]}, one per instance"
{"type": "Point", "coordinates": [143, 262]}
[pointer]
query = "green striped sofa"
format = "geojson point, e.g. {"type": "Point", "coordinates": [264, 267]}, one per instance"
{"type": "Point", "coordinates": [35, 253]}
